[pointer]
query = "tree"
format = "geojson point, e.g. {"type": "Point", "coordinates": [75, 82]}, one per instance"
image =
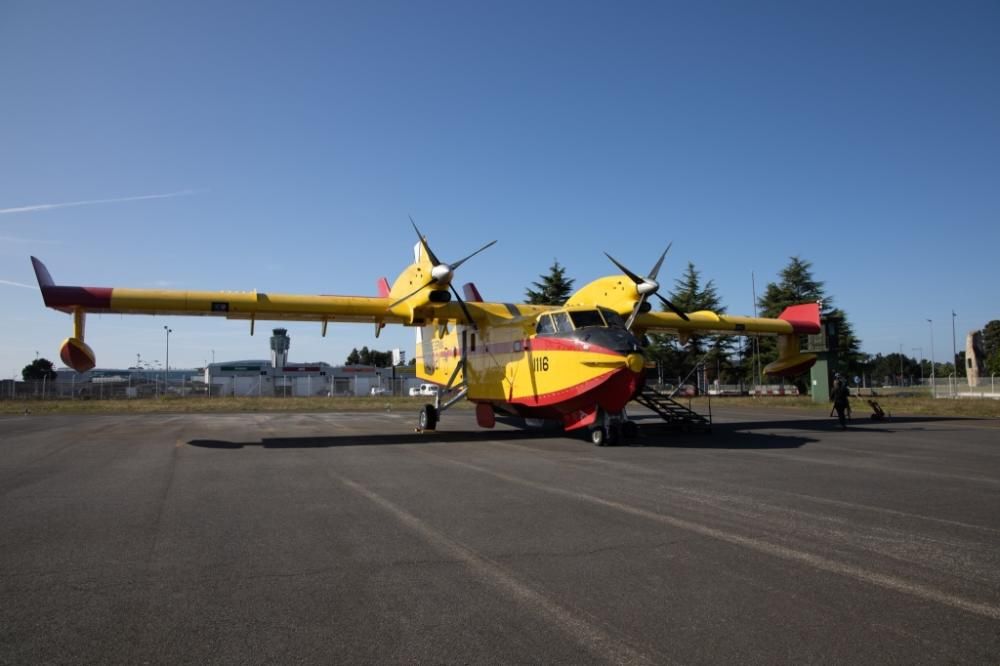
{"type": "Point", "coordinates": [991, 338]}
{"type": "Point", "coordinates": [367, 356]}
{"type": "Point", "coordinates": [553, 289]}
{"type": "Point", "coordinates": [993, 363]}
{"type": "Point", "coordinates": [797, 285]}
{"type": "Point", "coordinates": [677, 359]}
{"type": "Point", "coordinates": [37, 370]}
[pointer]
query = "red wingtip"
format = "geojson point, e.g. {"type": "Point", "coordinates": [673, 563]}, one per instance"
{"type": "Point", "coordinates": [383, 288]}
{"type": "Point", "coordinates": [804, 318]}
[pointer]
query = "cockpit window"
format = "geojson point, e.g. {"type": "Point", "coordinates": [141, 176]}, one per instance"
{"type": "Point", "coordinates": [582, 318]}
{"type": "Point", "coordinates": [612, 317]}
{"type": "Point", "coordinates": [545, 325]}
{"type": "Point", "coordinates": [563, 324]}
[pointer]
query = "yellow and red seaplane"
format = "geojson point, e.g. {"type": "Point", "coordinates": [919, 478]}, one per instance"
{"type": "Point", "coordinates": [577, 364]}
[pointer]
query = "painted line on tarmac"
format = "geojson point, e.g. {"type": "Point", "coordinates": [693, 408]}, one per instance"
{"type": "Point", "coordinates": [653, 472]}
{"type": "Point", "coordinates": [593, 638]}
{"type": "Point", "coordinates": [816, 561]}
{"type": "Point", "coordinates": [874, 468]}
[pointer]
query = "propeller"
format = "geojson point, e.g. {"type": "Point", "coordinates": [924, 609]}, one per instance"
{"type": "Point", "coordinates": [442, 273]}
{"type": "Point", "coordinates": [647, 286]}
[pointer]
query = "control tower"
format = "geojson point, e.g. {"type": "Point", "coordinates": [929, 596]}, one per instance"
{"type": "Point", "coordinates": [280, 342]}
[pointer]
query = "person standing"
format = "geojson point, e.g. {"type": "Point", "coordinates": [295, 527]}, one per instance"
{"type": "Point", "coordinates": [841, 399]}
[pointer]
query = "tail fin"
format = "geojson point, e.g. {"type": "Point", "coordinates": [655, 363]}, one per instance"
{"type": "Point", "coordinates": [383, 287]}
{"type": "Point", "coordinates": [804, 318]}
{"type": "Point", "coordinates": [471, 293]}
{"type": "Point", "coordinates": [42, 273]}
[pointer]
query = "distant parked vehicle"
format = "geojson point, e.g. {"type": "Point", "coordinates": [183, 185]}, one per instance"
{"type": "Point", "coordinates": [377, 391]}
{"type": "Point", "coordinates": [430, 390]}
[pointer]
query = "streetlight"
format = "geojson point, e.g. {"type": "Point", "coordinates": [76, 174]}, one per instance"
{"type": "Point", "coordinates": [930, 325]}
{"type": "Point", "coordinates": [169, 331]}
{"type": "Point", "coordinates": [954, 349]}
{"type": "Point", "coordinates": [920, 362]}
{"type": "Point", "coordinates": [900, 363]}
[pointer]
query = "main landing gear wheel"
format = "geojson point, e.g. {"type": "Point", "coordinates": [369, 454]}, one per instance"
{"type": "Point", "coordinates": [602, 436]}
{"type": "Point", "coordinates": [428, 418]}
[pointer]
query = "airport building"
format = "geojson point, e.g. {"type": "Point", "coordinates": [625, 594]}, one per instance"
{"type": "Point", "coordinates": [280, 377]}
{"type": "Point", "coordinates": [276, 376]}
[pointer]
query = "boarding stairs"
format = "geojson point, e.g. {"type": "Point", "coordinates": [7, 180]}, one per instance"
{"type": "Point", "coordinates": [672, 412]}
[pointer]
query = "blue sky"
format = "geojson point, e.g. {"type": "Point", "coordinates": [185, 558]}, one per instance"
{"type": "Point", "coordinates": [293, 139]}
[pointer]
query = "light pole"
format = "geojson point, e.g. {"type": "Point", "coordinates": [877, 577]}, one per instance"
{"type": "Point", "coordinates": [169, 331]}
{"type": "Point", "coordinates": [166, 372]}
{"type": "Point", "coordinates": [930, 325]}
{"type": "Point", "coordinates": [900, 363]}
{"type": "Point", "coordinates": [920, 361]}
{"type": "Point", "coordinates": [954, 349]}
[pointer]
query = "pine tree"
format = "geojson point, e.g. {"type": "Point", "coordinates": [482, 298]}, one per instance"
{"type": "Point", "coordinates": [354, 358]}
{"type": "Point", "coordinates": [797, 285]}
{"type": "Point", "coordinates": [991, 338]}
{"type": "Point", "coordinates": [553, 289]}
{"type": "Point", "coordinates": [676, 359]}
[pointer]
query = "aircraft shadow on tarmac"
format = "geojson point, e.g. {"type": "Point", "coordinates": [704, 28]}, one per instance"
{"type": "Point", "coordinates": [386, 439]}
{"type": "Point", "coordinates": [724, 436]}
{"type": "Point", "coordinates": [762, 435]}
{"type": "Point", "coordinates": [733, 435]}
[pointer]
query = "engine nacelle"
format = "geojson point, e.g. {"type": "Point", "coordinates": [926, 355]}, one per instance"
{"type": "Point", "coordinates": [76, 354]}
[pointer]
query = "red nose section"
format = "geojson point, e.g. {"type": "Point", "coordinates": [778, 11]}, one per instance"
{"type": "Point", "coordinates": [76, 354]}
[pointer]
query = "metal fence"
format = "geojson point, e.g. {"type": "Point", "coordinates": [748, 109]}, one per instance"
{"type": "Point", "coordinates": [154, 387]}
{"type": "Point", "coordinates": [960, 387]}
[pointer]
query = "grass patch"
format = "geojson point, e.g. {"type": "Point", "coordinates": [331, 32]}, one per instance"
{"type": "Point", "coordinates": [171, 405]}
{"type": "Point", "coordinates": [897, 406]}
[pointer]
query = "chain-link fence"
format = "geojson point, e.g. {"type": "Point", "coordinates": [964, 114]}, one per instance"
{"type": "Point", "coordinates": [182, 385]}
{"type": "Point", "coordinates": [961, 387]}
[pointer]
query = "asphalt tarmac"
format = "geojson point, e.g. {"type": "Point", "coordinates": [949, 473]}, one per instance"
{"type": "Point", "coordinates": [349, 538]}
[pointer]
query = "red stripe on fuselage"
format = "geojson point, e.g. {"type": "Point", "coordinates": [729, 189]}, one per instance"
{"type": "Point", "coordinates": [610, 391]}
{"type": "Point", "coordinates": [537, 344]}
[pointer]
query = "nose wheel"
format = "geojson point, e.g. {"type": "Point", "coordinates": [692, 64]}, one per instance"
{"type": "Point", "coordinates": [428, 418]}
{"type": "Point", "coordinates": [610, 429]}
{"type": "Point", "coordinates": [603, 436]}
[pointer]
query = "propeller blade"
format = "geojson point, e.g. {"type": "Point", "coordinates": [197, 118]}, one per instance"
{"type": "Point", "coordinates": [463, 260]}
{"type": "Point", "coordinates": [632, 276]}
{"type": "Point", "coordinates": [656, 268]}
{"type": "Point", "coordinates": [420, 236]}
{"type": "Point", "coordinates": [412, 293]}
{"type": "Point", "coordinates": [468, 316]}
{"type": "Point", "coordinates": [635, 312]}
{"type": "Point", "coordinates": [675, 309]}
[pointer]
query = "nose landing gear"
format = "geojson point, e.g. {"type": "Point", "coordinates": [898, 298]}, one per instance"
{"type": "Point", "coordinates": [610, 429]}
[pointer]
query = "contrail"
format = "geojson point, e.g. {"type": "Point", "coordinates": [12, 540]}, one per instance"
{"type": "Point", "coordinates": [91, 202]}
{"type": "Point", "coordinates": [18, 284]}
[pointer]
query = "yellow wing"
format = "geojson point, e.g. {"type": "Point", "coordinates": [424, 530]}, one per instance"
{"type": "Point", "coordinates": [253, 306]}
